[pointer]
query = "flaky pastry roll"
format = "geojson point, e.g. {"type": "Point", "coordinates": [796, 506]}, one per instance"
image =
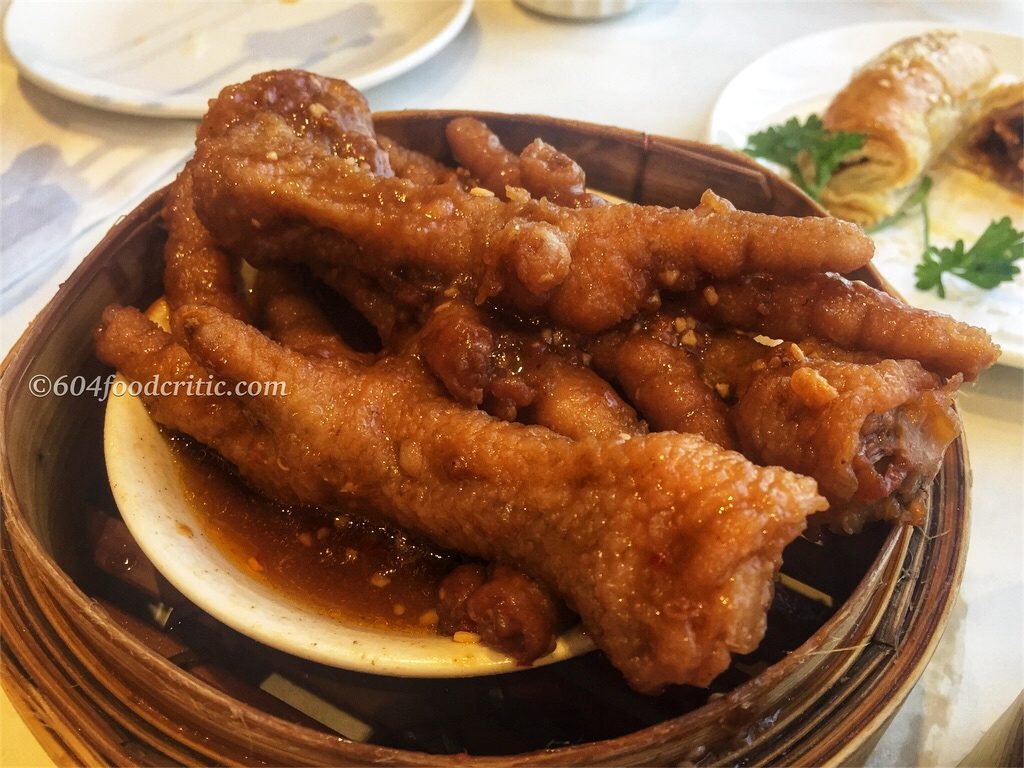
{"type": "Point", "coordinates": [909, 102]}
{"type": "Point", "coordinates": [992, 144]}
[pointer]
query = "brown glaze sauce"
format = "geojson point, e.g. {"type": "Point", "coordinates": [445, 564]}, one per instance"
{"type": "Point", "coordinates": [340, 565]}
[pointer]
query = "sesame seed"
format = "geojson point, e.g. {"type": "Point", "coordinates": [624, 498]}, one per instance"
{"type": "Point", "coordinates": [271, 155]}
{"type": "Point", "coordinates": [466, 637]}
{"type": "Point", "coordinates": [317, 110]}
{"type": "Point", "coordinates": [711, 295]}
{"type": "Point", "coordinates": [812, 388]}
{"type": "Point", "coordinates": [254, 565]}
{"type": "Point", "coordinates": [410, 457]}
{"type": "Point", "coordinates": [516, 194]}
{"type": "Point", "coordinates": [481, 192]}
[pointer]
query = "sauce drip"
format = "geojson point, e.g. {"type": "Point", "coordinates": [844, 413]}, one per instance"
{"type": "Point", "coordinates": [341, 565]}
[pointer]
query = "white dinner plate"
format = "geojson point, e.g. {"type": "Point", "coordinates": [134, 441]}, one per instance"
{"type": "Point", "coordinates": [168, 57]}
{"type": "Point", "coordinates": [151, 497]}
{"type": "Point", "coordinates": [801, 77]}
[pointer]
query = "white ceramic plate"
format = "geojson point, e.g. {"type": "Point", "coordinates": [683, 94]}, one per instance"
{"type": "Point", "coordinates": [168, 57]}
{"type": "Point", "coordinates": [801, 77]}
{"type": "Point", "coordinates": [148, 490]}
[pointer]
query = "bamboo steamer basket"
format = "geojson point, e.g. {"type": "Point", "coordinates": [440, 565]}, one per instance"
{"type": "Point", "coordinates": [111, 666]}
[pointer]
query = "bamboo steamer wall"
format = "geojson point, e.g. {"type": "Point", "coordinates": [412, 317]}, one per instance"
{"type": "Point", "coordinates": [114, 666]}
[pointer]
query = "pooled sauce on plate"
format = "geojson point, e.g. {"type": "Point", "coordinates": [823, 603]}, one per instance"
{"type": "Point", "coordinates": [341, 565]}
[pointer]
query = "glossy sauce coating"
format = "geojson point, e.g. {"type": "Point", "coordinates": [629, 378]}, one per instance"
{"type": "Point", "coordinates": [340, 565]}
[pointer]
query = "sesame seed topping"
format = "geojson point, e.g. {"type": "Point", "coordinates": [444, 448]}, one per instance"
{"type": "Point", "coordinates": [669, 277]}
{"type": "Point", "coordinates": [516, 194]}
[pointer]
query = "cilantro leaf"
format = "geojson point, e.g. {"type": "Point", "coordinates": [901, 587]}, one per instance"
{"type": "Point", "coordinates": [987, 263]}
{"type": "Point", "coordinates": [810, 152]}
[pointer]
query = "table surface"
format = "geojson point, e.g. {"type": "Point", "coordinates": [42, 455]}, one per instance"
{"type": "Point", "coordinates": [68, 171]}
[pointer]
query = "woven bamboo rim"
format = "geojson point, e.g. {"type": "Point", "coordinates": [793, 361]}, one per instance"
{"type": "Point", "coordinates": [102, 687]}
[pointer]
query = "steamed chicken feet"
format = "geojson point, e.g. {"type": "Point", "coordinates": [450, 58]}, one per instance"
{"type": "Point", "coordinates": [546, 172]}
{"type": "Point", "coordinates": [540, 169]}
{"type": "Point", "coordinates": [664, 381]}
{"type": "Point", "coordinates": [416, 167]}
{"type": "Point", "coordinates": [510, 611]}
{"type": "Point", "coordinates": [481, 152]}
{"type": "Point", "coordinates": [269, 192]}
{"type": "Point", "coordinates": [292, 317]}
{"type": "Point", "coordinates": [850, 314]}
{"type": "Point", "coordinates": [517, 375]}
{"type": "Point", "coordinates": [665, 544]}
{"type": "Point", "coordinates": [871, 431]}
{"type": "Point", "coordinates": [488, 421]}
{"type": "Point", "coordinates": [323, 111]}
{"type": "Point", "coordinates": [141, 351]}
{"type": "Point", "coordinates": [196, 271]}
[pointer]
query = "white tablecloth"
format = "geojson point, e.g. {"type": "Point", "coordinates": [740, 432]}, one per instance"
{"type": "Point", "coordinates": [68, 171]}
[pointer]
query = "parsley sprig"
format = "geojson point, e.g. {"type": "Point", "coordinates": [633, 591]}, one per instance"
{"type": "Point", "coordinates": [987, 263]}
{"type": "Point", "coordinates": [810, 152]}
